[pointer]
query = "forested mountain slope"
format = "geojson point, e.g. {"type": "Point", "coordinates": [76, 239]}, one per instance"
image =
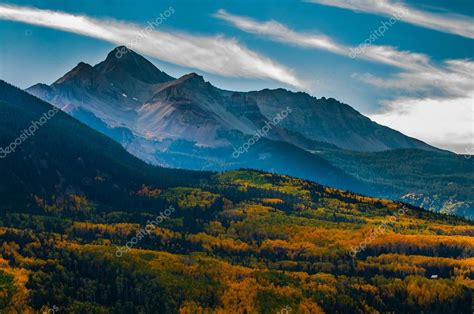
{"type": "Point", "coordinates": [87, 228]}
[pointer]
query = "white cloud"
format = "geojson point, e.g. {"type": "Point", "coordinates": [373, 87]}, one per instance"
{"type": "Point", "coordinates": [443, 122]}
{"type": "Point", "coordinates": [445, 22]}
{"type": "Point", "coordinates": [281, 33]}
{"type": "Point", "coordinates": [455, 78]}
{"type": "Point", "coordinates": [440, 109]}
{"type": "Point", "coordinates": [212, 54]}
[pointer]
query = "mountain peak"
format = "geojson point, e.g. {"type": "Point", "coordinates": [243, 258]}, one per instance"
{"type": "Point", "coordinates": [82, 71]}
{"type": "Point", "coordinates": [122, 53]}
{"type": "Point", "coordinates": [122, 61]}
{"type": "Point", "coordinates": [192, 77]}
{"type": "Point", "coordinates": [192, 82]}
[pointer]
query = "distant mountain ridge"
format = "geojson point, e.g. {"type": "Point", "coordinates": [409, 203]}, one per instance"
{"type": "Point", "coordinates": [139, 96]}
{"type": "Point", "coordinates": [328, 120]}
{"type": "Point", "coordinates": [189, 123]}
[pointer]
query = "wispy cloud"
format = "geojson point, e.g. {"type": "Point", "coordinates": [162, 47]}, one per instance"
{"type": "Point", "coordinates": [212, 54]}
{"type": "Point", "coordinates": [445, 22]}
{"type": "Point", "coordinates": [454, 78]}
{"type": "Point", "coordinates": [281, 33]}
{"type": "Point", "coordinates": [276, 31]}
{"type": "Point", "coordinates": [437, 106]}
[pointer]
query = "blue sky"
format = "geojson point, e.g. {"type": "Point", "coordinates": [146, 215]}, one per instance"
{"type": "Point", "coordinates": [415, 78]}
